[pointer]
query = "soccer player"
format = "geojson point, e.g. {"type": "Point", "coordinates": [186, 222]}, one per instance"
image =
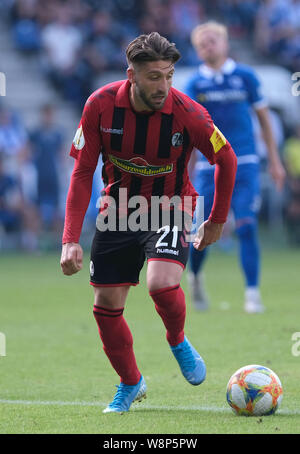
{"type": "Point", "coordinates": [145, 131]}
{"type": "Point", "coordinates": [231, 92]}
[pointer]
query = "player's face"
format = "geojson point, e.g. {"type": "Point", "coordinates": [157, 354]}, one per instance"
{"type": "Point", "coordinates": [211, 46]}
{"type": "Point", "coordinates": [151, 82]}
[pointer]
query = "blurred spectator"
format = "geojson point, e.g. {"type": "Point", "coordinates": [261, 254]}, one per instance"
{"type": "Point", "coordinates": [128, 13]}
{"type": "Point", "coordinates": [26, 30]}
{"type": "Point", "coordinates": [62, 41]}
{"type": "Point", "coordinates": [10, 196]}
{"type": "Point", "coordinates": [16, 215]}
{"type": "Point", "coordinates": [173, 19]}
{"type": "Point", "coordinates": [290, 35]}
{"type": "Point", "coordinates": [292, 162]}
{"type": "Point", "coordinates": [16, 164]}
{"type": "Point", "coordinates": [184, 16]}
{"type": "Point", "coordinates": [15, 148]}
{"type": "Point", "coordinates": [239, 15]}
{"type": "Point", "coordinates": [62, 44]}
{"type": "Point", "coordinates": [13, 140]}
{"type": "Point", "coordinates": [277, 31]}
{"type": "Point", "coordinates": [47, 147]}
{"type": "Point", "coordinates": [158, 14]}
{"type": "Point", "coordinates": [103, 50]}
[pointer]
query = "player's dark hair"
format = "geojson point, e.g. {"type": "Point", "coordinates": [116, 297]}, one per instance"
{"type": "Point", "coordinates": [152, 47]}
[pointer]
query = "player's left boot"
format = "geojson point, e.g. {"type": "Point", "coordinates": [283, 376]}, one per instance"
{"type": "Point", "coordinates": [190, 362]}
{"type": "Point", "coordinates": [126, 395]}
{"type": "Point", "coordinates": [253, 302]}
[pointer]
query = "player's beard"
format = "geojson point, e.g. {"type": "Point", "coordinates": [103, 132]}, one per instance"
{"type": "Point", "coordinates": [149, 100]}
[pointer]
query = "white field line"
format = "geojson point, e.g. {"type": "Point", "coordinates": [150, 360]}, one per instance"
{"type": "Point", "coordinates": [61, 403]}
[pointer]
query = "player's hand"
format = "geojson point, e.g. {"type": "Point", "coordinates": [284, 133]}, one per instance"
{"type": "Point", "coordinates": [71, 258]}
{"type": "Point", "coordinates": [278, 173]}
{"type": "Point", "coordinates": [208, 233]}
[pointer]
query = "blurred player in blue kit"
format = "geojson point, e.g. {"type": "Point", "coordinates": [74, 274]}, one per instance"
{"type": "Point", "coordinates": [231, 92]}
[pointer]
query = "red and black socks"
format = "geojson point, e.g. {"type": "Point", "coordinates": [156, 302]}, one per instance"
{"type": "Point", "coordinates": [170, 305]}
{"type": "Point", "coordinates": [117, 338]}
{"type": "Point", "coordinates": [117, 343]}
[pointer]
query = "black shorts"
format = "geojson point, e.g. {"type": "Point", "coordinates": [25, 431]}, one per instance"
{"type": "Point", "coordinates": [117, 257]}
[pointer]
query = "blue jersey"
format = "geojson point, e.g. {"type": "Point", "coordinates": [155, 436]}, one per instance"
{"type": "Point", "coordinates": [229, 96]}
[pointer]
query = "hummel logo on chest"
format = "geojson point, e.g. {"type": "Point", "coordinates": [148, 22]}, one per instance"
{"type": "Point", "coordinates": [111, 131]}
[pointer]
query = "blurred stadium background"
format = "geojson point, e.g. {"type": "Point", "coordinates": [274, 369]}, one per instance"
{"type": "Point", "coordinates": [55, 53]}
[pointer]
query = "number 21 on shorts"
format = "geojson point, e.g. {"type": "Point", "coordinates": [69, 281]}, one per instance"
{"type": "Point", "coordinates": [165, 231]}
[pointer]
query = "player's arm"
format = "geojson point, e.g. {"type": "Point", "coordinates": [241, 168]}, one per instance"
{"type": "Point", "coordinates": [259, 104]}
{"type": "Point", "coordinates": [218, 151]}
{"type": "Point", "coordinates": [275, 166]}
{"type": "Point", "coordinates": [85, 149]}
{"type": "Point", "coordinates": [78, 199]}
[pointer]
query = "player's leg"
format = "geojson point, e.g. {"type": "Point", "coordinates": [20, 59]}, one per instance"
{"type": "Point", "coordinates": [249, 254]}
{"type": "Point", "coordinates": [114, 332]}
{"type": "Point", "coordinates": [195, 278]}
{"type": "Point", "coordinates": [112, 274]}
{"type": "Point", "coordinates": [205, 188]}
{"type": "Point", "coordinates": [163, 279]}
{"type": "Point", "coordinates": [245, 204]}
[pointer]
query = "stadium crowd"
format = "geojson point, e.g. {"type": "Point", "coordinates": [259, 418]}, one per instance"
{"type": "Point", "coordinates": [77, 40]}
{"type": "Point", "coordinates": [29, 177]}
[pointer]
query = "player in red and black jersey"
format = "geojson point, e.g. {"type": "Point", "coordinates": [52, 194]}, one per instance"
{"type": "Point", "coordinates": [145, 131]}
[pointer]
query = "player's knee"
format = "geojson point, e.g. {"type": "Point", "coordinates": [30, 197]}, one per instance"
{"type": "Point", "coordinates": [110, 297]}
{"type": "Point", "coordinates": [246, 228]}
{"type": "Point", "coordinates": [162, 275]}
{"type": "Point", "coordinates": [161, 282]}
{"type": "Point", "coordinates": [102, 299]}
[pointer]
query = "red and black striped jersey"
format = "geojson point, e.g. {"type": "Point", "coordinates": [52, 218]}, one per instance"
{"type": "Point", "coordinates": [147, 153]}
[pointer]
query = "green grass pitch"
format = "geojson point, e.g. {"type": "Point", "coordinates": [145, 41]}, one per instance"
{"type": "Point", "coordinates": [55, 377]}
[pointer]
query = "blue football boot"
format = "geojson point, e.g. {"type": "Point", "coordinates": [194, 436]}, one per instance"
{"type": "Point", "coordinates": [126, 395]}
{"type": "Point", "coordinates": [191, 364]}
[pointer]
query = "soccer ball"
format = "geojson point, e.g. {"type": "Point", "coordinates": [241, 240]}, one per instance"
{"type": "Point", "coordinates": [254, 391]}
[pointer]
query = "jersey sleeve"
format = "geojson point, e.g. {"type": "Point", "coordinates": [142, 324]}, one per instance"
{"type": "Point", "coordinates": [205, 135]}
{"type": "Point", "coordinates": [86, 144]}
{"type": "Point", "coordinates": [255, 93]}
{"type": "Point", "coordinates": [78, 199]}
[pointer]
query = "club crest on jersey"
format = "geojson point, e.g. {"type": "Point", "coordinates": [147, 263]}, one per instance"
{"type": "Point", "coordinates": [78, 140]}
{"type": "Point", "coordinates": [139, 166]}
{"type": "Point", "coordinates": [177, 139]}
{"type": "Point", "coordinates": [217, 139]}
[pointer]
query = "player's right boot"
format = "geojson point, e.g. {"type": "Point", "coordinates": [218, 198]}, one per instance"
{"type": "Point", "coordinates": [190, 362]}
{"type": "Point", "coordinates": [253, 302]}
{"type": "Point", "coordinates": [126, 395]}
{"type": "Point", "coordinates": [198, 294]}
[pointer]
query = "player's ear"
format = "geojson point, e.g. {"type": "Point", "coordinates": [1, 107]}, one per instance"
{"type": "Point", "coordinates": [130, 74]}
